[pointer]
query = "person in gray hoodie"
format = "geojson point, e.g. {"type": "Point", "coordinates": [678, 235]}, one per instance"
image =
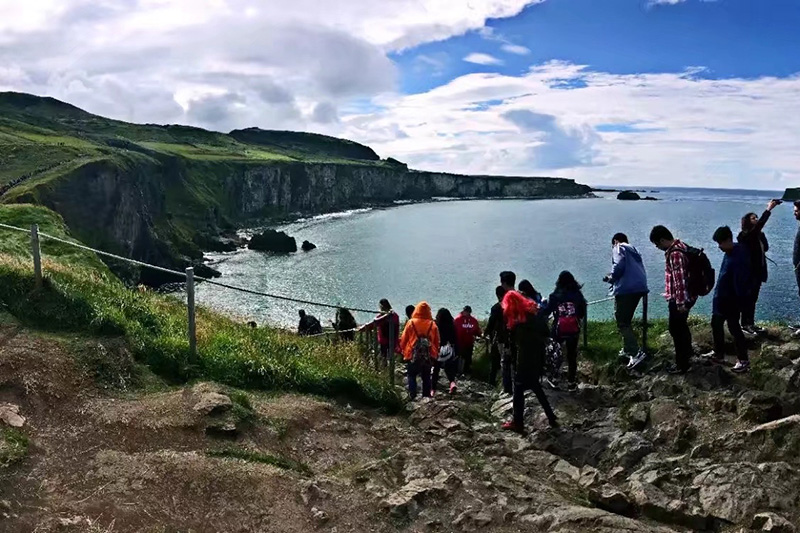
{"type": "Point", "coordinates": [628, 281]}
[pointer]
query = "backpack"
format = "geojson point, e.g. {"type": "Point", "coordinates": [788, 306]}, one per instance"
{"type": "Point", "coordinates": [701, 275]}
{"type": "Point", "coordinates": [567, 324]}
{"type": "Point", "coordinates": [421, 354]}
{"type": "Point", "coordinates": [553, 359]}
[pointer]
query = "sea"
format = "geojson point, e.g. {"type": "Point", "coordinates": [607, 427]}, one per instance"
{"type": "Point", "coordinates": [449, 253]}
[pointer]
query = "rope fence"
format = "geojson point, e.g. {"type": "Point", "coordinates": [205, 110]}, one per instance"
{"type": "Point", "coordinates": [365, 336]}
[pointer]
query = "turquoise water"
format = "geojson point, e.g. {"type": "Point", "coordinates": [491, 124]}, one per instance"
{"type": "Point", "coordinates": [450, 253]}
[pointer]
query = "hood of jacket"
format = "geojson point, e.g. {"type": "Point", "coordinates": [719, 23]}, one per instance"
{"type": "Point", "coordinates": [422, 311]}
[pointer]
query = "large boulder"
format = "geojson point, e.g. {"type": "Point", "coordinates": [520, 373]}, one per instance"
{"type": "Point", "coordinates": [308, 246]}
{"type": "Point", "coordinates": [9, 415]}
{"type": "Point", "coordinates": [628, 195]}
{"type": "Point", "coordinates": [273, 241]}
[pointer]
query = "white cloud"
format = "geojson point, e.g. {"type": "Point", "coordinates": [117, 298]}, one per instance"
{"type": "Point", "coordinates": [482, 59]}
{"type": "Point", "coordinates": [516, 49]}
{"type": "Point", "coordinates": [688, 130]}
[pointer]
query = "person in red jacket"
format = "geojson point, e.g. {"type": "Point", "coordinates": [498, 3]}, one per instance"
{"type": "Point", "coordinates": [467, 330]}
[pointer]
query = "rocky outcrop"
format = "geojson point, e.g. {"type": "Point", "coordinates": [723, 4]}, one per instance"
{"type": "Point", "coordinates": [632, 195]}
{"type": "Point", "coordinates": [273, 241]}
{"type": "Point", "coordinates": [308, 246]}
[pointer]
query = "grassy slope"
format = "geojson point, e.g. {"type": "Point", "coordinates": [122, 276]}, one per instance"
{"type": "Point", "coordinates": [81, 295]}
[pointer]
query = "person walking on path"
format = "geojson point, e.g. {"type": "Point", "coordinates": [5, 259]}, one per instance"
{"type": "Point", "coordinates": [497, 334]}
{"type": "Point", "coordinates": [388, 326]}
{"type": "Point", "coordinates": [467, 330]}
{"type": "Point", "coordinates": [676, 291]}
{"type": "Point", "coordinates": [447, 352]}
{"type": "Point", "coordinates": [345, 324]}
{"type": "Point", "coordinates": [519, 314]}
{"type": "Point", "coordinates": [628, 280]}
{"type": "Point", "coordinates": [753, 239]}
{"type": "Point", "coordinates": [308, 325]}
{"type": "Point", "coordinates": [568, 307]}
{"type": "Point", "coordinates": [731, 294]}
{"type": "Point", "coordinates": [420, 346]}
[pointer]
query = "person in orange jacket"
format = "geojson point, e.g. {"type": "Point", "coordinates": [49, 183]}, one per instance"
{"type": "Point", "coordinates": [420, 347]}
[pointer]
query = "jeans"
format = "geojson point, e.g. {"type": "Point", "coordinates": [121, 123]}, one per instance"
{"type": "Point", "coordinates": [681, 334]}
{"type": "Point", "coordinates": [571, 345]}
{"type": "Point", "coordinates": [731, 316]}
{"type": "Point", "coordinates": [521, 384]}
{"type": "Point", "coordinates": [465, 354]}
{"type": "Point", "coordinates": [625, 307]}
{"type": "Point", "coordinates": [749, 306]}
{"type": "Point", "coordinates": [450, 370]}
{"type": "Point", "coordinates": [424, 372]}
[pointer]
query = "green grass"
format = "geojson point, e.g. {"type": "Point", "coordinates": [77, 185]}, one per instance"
{"type": "Point", "coordinates": [13, 446]}
{"type": "Point", "coordinates": [81, 295]}
{"type": "Point", "coordinates": [263, 458]}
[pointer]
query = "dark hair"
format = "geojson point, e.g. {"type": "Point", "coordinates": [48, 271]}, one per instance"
{"type": "Point", "coordinates": [508, 278]}
{"type": "Point", "coordinates": [746, 224]}
{"type": "Point", "coordinates": [301, 312]}
{"type": "Point", "coordinates": [446, 325]}
{"type": "Point", "coordinates": [723, 234]}
{"type": "Point", "coordinates": [619, 237]}
{"type": "Point", "coordinates": [527, 289]}
{"type": "Point", "coordinates": [384, 303]}
{"type": "Point", "coordinates": [660, 232]}
{"type": "Point", "coordinates": [567, 283]}
{"type": "Point", "coordinates": [500, 291]}
{"type": "Point", "coordinates": [797, 203]}
{"type": "Point", "coordinates": [467, 309]}
{"type": "Point", "coordinates": [409, 310]}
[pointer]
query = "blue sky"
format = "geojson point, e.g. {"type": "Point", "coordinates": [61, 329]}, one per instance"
{"type": "Point", "coordinates": [661, 92]}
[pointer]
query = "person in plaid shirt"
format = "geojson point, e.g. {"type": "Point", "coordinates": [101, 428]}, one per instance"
{"type": "Point", "coordinates": [676, 291]}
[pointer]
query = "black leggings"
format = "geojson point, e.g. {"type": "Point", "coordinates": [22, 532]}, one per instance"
{"type": "Point", "coordinates": [450, 370]}
{"type": "Point", "coordinates": [571, 344]}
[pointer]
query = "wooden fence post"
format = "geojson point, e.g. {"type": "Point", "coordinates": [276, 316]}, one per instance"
{"type": "Point", "coordinates": [191, 311]}
{"type": "Point", "coordinates": [37, 255]}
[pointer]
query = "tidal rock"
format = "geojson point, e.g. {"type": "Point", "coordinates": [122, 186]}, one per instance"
{"type": "Point", "coordinates": [757, 406]}
{"type": "Point", "coordinates": [611, 499]}
{"type": "Point", "coordinates": [772, 522]}
{"type": "Point", "coordinates": [9, 415]}
{"type": "Point", "coordinates": [308, 246]}
{"type": "Point", "coordinates": [628, 195]}
{"type": "Point", "coordinates": [273, 241]}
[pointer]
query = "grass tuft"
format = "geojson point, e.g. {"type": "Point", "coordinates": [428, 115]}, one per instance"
{"type": "Point", "coordinates": [13, 446]}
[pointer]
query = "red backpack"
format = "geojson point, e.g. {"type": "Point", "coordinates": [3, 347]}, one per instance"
{"type": "Point", "coordinates": [567, 322]}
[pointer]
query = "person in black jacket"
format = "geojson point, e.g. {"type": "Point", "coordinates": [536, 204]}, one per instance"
{"type": "Point", "coordinates": [500, 349]}
{"type": "Point", "coordinates": [757, 246]}
{"type": "Point", "coordinates": [448, 359]}
{"type": "Point", "coordinates": [568, 306]}
{"type": "Point", "coordinates": [308, 325]}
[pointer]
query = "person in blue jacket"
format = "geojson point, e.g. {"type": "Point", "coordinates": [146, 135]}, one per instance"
{"type": "Point", "coordinates": [731, 295]}
{"type": "Point", "coordinates": [628, 281]}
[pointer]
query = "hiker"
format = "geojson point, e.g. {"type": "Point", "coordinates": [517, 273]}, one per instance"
{"type": "Point", "coordinates": [309, 325]}
{"type": "Point", "coordinates": [409, 311]}
{"type": "Point", "coordinates": [500, 350]}
{"type": "Point", "coordinates": [528, 337]}
{"type": "Point", "coordinates": [681, 291]}
{"type": "Point", "coordinates": [388, 325]}
{"type": "Point", "coordinates": [345, 324]}
{"type": "Point", "coordinates": [448, 358]}
{"type": "Point", "coordinates": [731, 294]}
{"type": "Point", "coordinates": [420, 346]}
{"type": "Point", "coordinates": [568, 307]}
{"type": "Point", "coordinates": [628, 281]}
{"type": "Point", "coordinates": [527, 289]}
{"type": "Point", "coordinates": [467, 330]}
{"type": "Point", "coordinates": [753, 238]}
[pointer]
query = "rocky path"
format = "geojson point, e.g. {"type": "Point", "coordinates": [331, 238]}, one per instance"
{"type": "Point", "coordinates": [112, 449]}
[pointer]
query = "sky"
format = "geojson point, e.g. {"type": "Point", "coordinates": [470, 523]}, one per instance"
{"type": "Point", "coordinates": [608, 92]}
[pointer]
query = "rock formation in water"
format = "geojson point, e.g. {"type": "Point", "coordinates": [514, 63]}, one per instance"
{"type": "Point", "coordinates": [308, 246]}
{"type": "Point", "coordinates": [273, 241]}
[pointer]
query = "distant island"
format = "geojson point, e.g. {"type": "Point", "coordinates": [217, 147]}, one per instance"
{"type": "Point", "coordinates": [166, 194]}
{"type": "Point", "coordinates": [632, 195]}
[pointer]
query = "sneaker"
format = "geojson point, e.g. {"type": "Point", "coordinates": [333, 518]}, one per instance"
{"type": "Point", "coordinates": [714, 357]}
{"type": "Point", "coordinates": [453, 387]}
{"type": "Point", "coordinates": [637, 359]}
{"type": "Point", "coordinates": [550, 383]}
{"type": "Point", "coordinates": [674, 370]}
{"type": "Point", "coordinates": [511, 426]}
{"type": "Point", "coordinates": [572, 386]}
{"type": "Point", "coordinates": [796, 333]}
{"type": "Point", "coordinates": [741, 367]}
{"type": "Point", "coordinates": [749, 332]}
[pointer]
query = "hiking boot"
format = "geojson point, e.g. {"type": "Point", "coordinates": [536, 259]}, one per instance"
{"type": "Point", "coordinates": [714, 357]}
{"type": "Point", "coordinates": [637, 359]}
{"type": "Point", "coordinates": [572, 386]}
{"type": "Point", "coordinates": [511, 426]}
{"type": "Point", "coordinates": [453, 387]}
{"type": "Point", "coordinates": [675, 370]}
{"type": "Point", "coordinates": [741, 367]}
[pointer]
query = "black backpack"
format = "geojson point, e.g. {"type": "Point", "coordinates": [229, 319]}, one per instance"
{"type": "Point", "coordinates": [700, 272]}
